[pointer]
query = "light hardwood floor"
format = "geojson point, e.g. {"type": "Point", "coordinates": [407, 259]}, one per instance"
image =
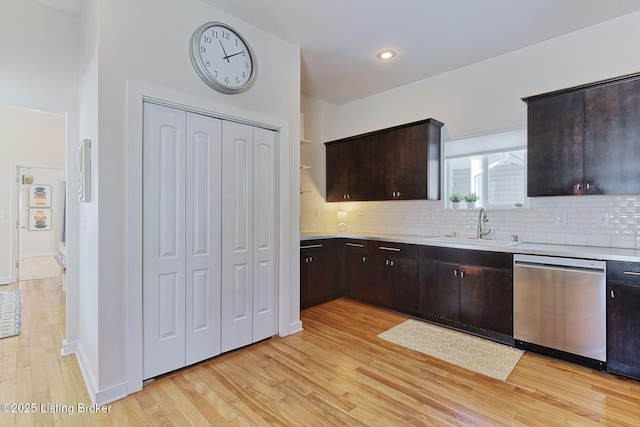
{"type": "Point", "coordinates": [335, 372]}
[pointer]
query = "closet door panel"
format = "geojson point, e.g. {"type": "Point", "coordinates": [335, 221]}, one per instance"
{"type": "Point", "coordinates": [237, 234]}
{"type": "Point", "coordinates": [203, 234]}
{"type": "Point", "coordinates": [163, 244]}
{"type": "Point", "coordinates": [265, 241]}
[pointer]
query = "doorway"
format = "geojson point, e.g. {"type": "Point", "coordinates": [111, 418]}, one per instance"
{"type": "Point", "coordinates": [40, 250]}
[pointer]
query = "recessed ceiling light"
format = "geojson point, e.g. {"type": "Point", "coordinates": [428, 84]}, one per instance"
{"type": "Point", "coordinates": [386, 54]}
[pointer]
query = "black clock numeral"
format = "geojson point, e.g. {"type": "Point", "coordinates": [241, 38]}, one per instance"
{"type": "Point", "coordinates": [226, 80]}
{"type": "Point", "coordinates": [215, 73]}
{"type": "Point", "coordinates": [237, 80]}
{"type": "Point", "coordinates": [203, 49]}
{"type": "Point", "coordinates": [225, 35]}
{"type": "Point", "coordinates": [246, 65]}
{"type": "Point", "coordinates": [244, 53]}
{"type": "Point", "coordinates": [207, 63]}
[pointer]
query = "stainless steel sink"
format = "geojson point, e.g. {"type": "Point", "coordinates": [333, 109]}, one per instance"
{"type": "Point", "coordinates": [475, 241]}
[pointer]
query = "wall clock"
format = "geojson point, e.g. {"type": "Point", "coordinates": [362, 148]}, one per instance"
{"type": "Point", "coordinates": [222, 57]}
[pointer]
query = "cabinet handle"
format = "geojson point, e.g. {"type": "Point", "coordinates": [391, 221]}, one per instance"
{"type": "Point", "coordinates": [631, 273]}
{"type": "Point", "coordinates": [393, 194]}
{"type": "Point", "coordinates": [386, 262]}
{"type": "Point", "coordinates": [385, 248]}
{"type": "Point", "coordinates": [588, 186]}
{"type": "Point", "coordinates": [306, 260]}
{"type": "Point", "coordinates": [398, 194]}
{"type": "Point", "coordinates": [364, 259]}
{"type": "Point", "coordinates": [310, 246]}
{"type": "Point", "coordinates": [391, 263]}
{"type": "Point", "coordinates": [612, 295]}
{"type": "Point", "coordinates": [578, 187]}
{"type": "Point", "coordinates": [455, 272]}
{"type": "Point", "coordinates": [348, 196]}
{"type": "Point", "coordinates": [461, 274]}
{"type": "Point", "coordinates": [355, 245]}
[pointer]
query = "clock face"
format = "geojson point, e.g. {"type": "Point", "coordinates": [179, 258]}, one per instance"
{"type": "Point", "coordinates": [222, 57]}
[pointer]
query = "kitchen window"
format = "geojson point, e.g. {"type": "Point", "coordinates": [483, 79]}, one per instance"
{"type": "Point", "coordinates": [492, 165]}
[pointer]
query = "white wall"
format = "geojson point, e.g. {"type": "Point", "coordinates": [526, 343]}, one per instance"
{"type": "Point", "coordinates": [144, 44]}
{"type": "Point", "coordinates": [39, 71]}
{"type": "Point", "coordinates": [483, 97]}
{"type": "Point", "coordinates": [27, 138]}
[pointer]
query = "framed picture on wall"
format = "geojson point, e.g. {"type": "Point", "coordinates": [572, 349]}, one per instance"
{"type": "Point", "coordinates": [39, 219]}
{"type": "Point", "coordinates": [84, 171]}
{"type": "Point", "coordinates": [40, 196]}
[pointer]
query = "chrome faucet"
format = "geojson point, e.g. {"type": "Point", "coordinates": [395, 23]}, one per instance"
{"type": "Point", "coordinates": [482, 217]}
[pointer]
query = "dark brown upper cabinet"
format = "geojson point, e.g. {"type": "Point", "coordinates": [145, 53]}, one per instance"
{"type": "Point", "coordinates": [398, 163]}
{"type": "Point", "coordinates": [350, 172]}
{"type": "Point", "coordinates": [585, 140]}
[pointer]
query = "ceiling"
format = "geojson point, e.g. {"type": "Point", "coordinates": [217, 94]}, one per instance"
{"type": "Point", "coordinates": [339, 39]}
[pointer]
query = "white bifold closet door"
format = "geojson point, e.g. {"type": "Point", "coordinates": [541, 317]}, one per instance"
{"type": "Point", "coordinates": [209, 237]}
{"type": "Point", "coordinates": [181, 243]}
{"type": "Point", "coordinates": [249, 235]}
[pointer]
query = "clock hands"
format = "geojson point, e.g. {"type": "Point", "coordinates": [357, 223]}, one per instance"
{"type": "Point", "coordinates": [225, 52]}
{"type": "Point", "coordinates": [233, 54]}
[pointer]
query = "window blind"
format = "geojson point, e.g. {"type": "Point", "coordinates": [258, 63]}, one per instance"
{"type": "Point", "coordinates": [506, 140]}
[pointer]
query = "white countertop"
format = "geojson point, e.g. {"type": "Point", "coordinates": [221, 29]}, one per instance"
{"type": "Point", "coordinates": [586, 252]}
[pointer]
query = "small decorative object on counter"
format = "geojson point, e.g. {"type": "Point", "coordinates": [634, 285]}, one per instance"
{"type": "Point", "coordinates": [471, 200]}
{"type": "Point", "coordinates": [518, 204]}
{"type": "Point", "coordinates": [455, 199]}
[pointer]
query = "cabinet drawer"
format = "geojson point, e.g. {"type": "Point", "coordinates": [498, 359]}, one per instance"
{"type": "Point", "coordinates": [625, 272]}
{"type": "Point", "coordinates": [499, 260]}
{"type": "Point", "coordinates": [403, 250]}
{"type": "Point", "coordinates": [352, 245]}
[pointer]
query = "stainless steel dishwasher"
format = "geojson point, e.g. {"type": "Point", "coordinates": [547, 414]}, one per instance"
{"type": "Point", "coordinates": [560, 303]}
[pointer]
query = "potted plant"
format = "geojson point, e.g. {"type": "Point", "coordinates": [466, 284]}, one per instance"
{"type": "Point", "coordinates": [518, 204]}
{"type": "Point", "coordinates": [471, 199]}
{"type": "Point", "coordinates": [455, 199]}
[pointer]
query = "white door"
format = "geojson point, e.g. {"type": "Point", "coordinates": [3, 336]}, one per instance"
{"type": "Point", "coordinates": [265, 235]}
{"type": "Point", "coordinates": [181, 229]}
{"type": "Point", "coordinates": [203, 234]}
{"type": "Point", "coordinates": [249, 236]}
{"type": "Point", "coordinates": [237, 235]}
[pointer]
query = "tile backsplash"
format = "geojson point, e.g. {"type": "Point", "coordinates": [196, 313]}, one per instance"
{"type": "Point", "coordinates": [607, 221]}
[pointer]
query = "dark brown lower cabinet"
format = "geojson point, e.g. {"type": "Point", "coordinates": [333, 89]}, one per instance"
{"type": "Point", "coordinates": [356, 269]}
{"type": "Point", "coordinates": [319, 280]}
{"type": "Point", "coordinates": [486, 299]}
{"type": "Point", "coordinates": [439, 291]}
{"type": "Point", "coordinates": [468, 289]}
{"type": "Point", "coordinates": [623, 318]}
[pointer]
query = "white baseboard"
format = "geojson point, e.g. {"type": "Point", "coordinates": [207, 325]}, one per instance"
{"type": "Point", "coordinates": [295, 327]}
{"type": "Point", "coordinates": [87, 376]}
{"type": "Point", "coordinates": [68, 348]}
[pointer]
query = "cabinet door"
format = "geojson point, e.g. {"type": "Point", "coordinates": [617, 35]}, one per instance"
{"type": "Point", "coordinates": [404, 284]}
{"type": "Point", "coordinates": [384, 165]}
{"type": "Point", "coordinates": [356, 274]}
{"type": "Point", "coordinates": [612, 139]}
{"type": "Point", "coordinates": [337, 168]}
{"type": "Point", "coordinates": [379, 281]}
{"type": "Point", "coordinates": [359, 165]}
{"type": "Point", "coordinates": [555, 145]}
{"type": "Point", "coordinates": [348, 170]}
{"type": "Point", "coordinates": [623, 335]}
{"type": "Point", "coordinates": [439, 290]}
{"type": "Point", "coordinates": [486, 299]}
{"type": "Point", "coordinates": [412, 162]}
{"type": "Point", "coordinates": [319, 283]}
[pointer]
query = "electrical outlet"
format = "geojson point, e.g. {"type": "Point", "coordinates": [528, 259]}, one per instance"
{"type": "Point", "coordinates": [602, 219]}
{"type": "Point", "coordinates": [561, 218]}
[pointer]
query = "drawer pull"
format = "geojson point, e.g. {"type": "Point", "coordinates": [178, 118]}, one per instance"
{"type": "Point", "coordinates": [310, 246]}
{"type": "Point", "coordinates": [355, 245]}
{"type": "Point", "coordinates": [385, 248]}
{"type": "Point", "coordinates": [632, 273]}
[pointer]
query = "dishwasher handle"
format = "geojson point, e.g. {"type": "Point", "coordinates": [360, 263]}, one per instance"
{"type": "Point", "coordinates": [585, 270]}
